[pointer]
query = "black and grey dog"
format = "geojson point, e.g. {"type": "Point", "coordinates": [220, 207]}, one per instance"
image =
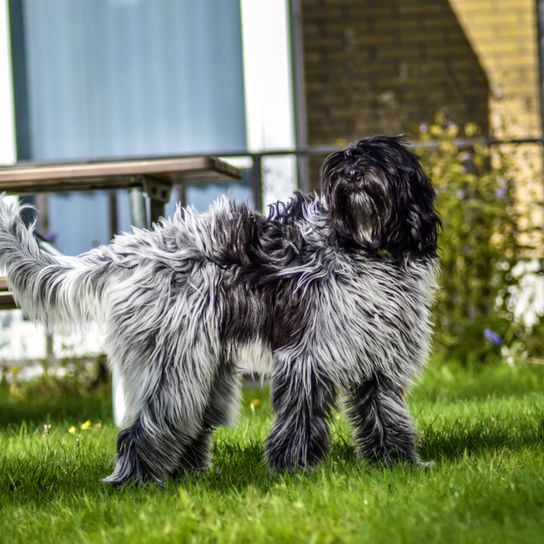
{"type": "Point", "coordinates": [328, 294]}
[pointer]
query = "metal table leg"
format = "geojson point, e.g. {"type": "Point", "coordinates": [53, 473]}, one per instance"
{"type": "Point", "coordinates": [158, 193]}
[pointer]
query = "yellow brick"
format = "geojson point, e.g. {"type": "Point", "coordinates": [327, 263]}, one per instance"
{"type": "Point", "coordinates": [494, 5]}
{"type": "Point", "coordinates": [524, 32]}
{"type": "Point", "coordinates": [422, 54]}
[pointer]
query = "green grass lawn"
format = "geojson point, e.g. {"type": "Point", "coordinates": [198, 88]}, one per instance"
{"type": "Point", "coordinates": [484, 428]}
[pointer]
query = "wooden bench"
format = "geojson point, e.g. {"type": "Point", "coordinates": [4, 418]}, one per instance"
{"type": "Point", "coordinates": [154, 177]}
{"type": "Point", "coordinates": [6, 296]}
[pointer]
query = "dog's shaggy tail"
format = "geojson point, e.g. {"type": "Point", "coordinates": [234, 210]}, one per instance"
{"type": "Point", "coordinates": [57, 291]}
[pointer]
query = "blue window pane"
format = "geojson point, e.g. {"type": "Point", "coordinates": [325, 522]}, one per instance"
{"type": "Point", "coordinates": [78, 221]}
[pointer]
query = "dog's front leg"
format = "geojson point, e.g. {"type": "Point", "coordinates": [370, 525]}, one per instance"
{"type": "Point", "coordinates": [383, 429]}
{"type": "Point", "coordinates": [302, 400]}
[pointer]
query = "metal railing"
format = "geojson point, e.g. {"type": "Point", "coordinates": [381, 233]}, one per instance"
{"type": "Point", "coordinates": [302, 155]}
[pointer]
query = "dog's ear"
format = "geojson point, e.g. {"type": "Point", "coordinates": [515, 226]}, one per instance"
{"type": "Point", "coordinates": [415, 230]}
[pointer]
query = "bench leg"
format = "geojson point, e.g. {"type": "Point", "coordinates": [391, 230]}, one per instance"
{"type": "Point", "coordinates": [138, 212]}
{"type": "Point", "coordinates": [158, 192]}
{"type": "Point", "coordinates": [138, 218]}
{"type": "Point", "coordinates": [156, 209]}
{"type": "Point", "coordinates": [119, 407]}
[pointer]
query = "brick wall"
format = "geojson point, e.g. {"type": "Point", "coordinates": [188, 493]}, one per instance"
{"type": "Point", "coordinates": [387, 66]}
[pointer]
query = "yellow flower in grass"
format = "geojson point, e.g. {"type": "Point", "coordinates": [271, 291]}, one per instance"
{"type": "Point", "coordinates": [72, 430]}
{"type": "Point", "coordinates": [254, 404]}
{"type": "Point", "coordinates": [16, 391]}
{"type": "Point", "coordinates": [87, 425]}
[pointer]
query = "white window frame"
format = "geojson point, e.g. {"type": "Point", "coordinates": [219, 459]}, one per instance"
{"type": "Point", "coordinates": [8, 150]}
{"type": "Point", "coordinates": [268, 87]}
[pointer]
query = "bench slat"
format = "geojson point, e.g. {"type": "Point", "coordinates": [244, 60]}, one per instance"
{"type": "Point", "coordinates": [4, 284]}
{"type": "Point", "coordinates": [113, 174]}
{"type": "Point", "coordinates": [7, 302]}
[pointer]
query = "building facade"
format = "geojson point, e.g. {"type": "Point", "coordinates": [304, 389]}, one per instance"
{"type": "Point", "coordinates": [84, 80]}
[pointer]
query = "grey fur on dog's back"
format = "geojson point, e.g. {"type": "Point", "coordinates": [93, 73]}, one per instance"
{"type": "Point", "coordinates": [326, 293]}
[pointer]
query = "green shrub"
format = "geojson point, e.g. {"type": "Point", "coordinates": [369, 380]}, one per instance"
{"type": "Point", "coordinates": [479, 244]}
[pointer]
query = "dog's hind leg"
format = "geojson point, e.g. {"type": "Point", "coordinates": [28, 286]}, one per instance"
{"type": "Point", "coordinates": [302, 400]}
{"type": "Point", "coordinates": [167, 418]}
{"type": "Point", "coordinates": [220, 410]}
{"type": "Point", "coordinates": [383, 429]}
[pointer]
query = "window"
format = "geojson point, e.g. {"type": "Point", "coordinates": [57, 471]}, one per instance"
{"type": "Point", "coordinates": [124, 78]}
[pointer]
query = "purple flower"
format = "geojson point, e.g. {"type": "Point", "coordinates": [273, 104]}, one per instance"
{"type": "Point", "coordinates": [500, 193]}
{"type": "Point", "coordinates": [493, 337]}
{"type": "Point", "coordinates": [460, 194]}
{"type": "Point", "coordinates": [423, 128]}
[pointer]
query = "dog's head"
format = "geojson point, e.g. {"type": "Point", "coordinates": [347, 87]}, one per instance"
{"type": "Point", "coordinates": [379, 198]}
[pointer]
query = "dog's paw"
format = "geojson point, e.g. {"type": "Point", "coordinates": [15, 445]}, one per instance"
{"type": "Point", "coordinates": [425, 465]}
{"type": "Point", "coordinates": [392, 457]}
{"type": "Point", "coordinates": [291, 457]}
{"type": "Point", "coordinates": [282, 459]}
{"type": "Point", "coordinates": [281, 465]}
{"type": "Point", "coordinates": [130, 472]}
{"type": "Point", "coordinates": [185, 470]}
{"type": "Point", "coordinates": [115, 480]}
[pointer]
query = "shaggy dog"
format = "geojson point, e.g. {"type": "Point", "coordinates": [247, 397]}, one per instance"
{"type": "Point", "coordinates": [327, 293]}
